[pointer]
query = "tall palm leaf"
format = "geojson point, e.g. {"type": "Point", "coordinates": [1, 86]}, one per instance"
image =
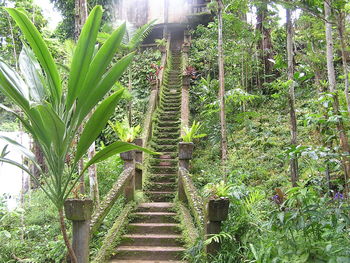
{"type": "Point", "coordinates": [53, 116]}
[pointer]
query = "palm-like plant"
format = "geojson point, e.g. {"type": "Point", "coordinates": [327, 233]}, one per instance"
{"type": "Point", "coordinates": [191, 133]}
{"type": "Point", "coordinates": [53, 114]}
{"type": "Point", "coordinates": [125, 132]}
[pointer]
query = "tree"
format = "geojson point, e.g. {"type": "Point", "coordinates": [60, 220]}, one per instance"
{"type": "Point", "coordinates": [53, 114]}
{"type": "Point", "coordinates": [265, 42]}
{"type": "Point", "coordinates": [344, 144]}
{"type": "Point", "coordinates": [224, 147]}
{"type": "Point", "coordinates": [293, 119]}
{"type": "Point", "coordinates": [341, 16]}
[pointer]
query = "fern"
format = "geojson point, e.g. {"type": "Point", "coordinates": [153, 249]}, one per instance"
{"type": "Point", "coordinates": [192, 132]}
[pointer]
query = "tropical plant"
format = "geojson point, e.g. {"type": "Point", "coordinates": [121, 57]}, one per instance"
{"type": "Point", "coordinates": [217, 190]}
{"type": "Point", "coordinates": [160, 42]}
{"type": "Point", "coordinates": [125, 132]}
{"type": "Point", "coordinates": [53, 114]}
{"type": "Point", "coordinates": [192, 132]}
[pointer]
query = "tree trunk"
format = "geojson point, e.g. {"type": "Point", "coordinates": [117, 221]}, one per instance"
{"type": "Point", "coordinates": [224, 149]}
{"type": "Point", "coordinates": [341, 30]}
{"type": "Point", "coordinates": [81, 14]}
{"type": "Point", "coordinates": [264, 44]}
{"type": "Point", "coordinates": [344, 144]}
{"type": "Point", "coordinates": [293, 119]}
{"type": "Point", "coordinates": [65, 237]}
{"type": "Point", "coordinates": [94, 191]}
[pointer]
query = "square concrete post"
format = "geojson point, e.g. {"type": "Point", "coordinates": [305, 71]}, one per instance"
{"type": "Point", "coordinates": [217, 211]}
{"type": "Point", "coordinates": [129, 162]}
{"type": "Point", "coordinates": [138, 159]}
{"type": "Point", "coordinates": [185, 154]}
{"type": "Point", "coordinates": [80, 211]}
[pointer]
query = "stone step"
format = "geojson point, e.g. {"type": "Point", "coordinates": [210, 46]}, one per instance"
{"type": "Point", "coordinates": [168, 101]}
{"type": "Point", "coordinates": [155, 207]}
{"type": "Point", "coordinates": [164, 178]}
{"type": "Point", "coordinates": [159, 186]}
{"type": "Point", "coordinates": [152, 240]}
{"type": "Point", "coordinates": [165, 157]}
{"type": "Point", "coordinates": [154, 217]}
{"type": "Point", "coordinates": [149, 253]}
{"type": "Point", "coordinates": [170, 108]}
{"type": "Point", "coordinates": [168, 123]}
{"type": "Point", "coordinates": [166, 135]}
{"type": "Point", "coordinates": [161, 196]}
{"type": "Point", "coordinates": [172, 117]}
{"type": "Point", "coordinates": [163, 169]}
{"type": "Point", "coordinates": [154, 228]}
{"type": "Point", "coordinates": [164, 148]}
{"type": "Point", "coordinates": [161, 162]}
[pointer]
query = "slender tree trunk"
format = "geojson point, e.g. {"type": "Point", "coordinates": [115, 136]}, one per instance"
{"type": "Point", "coordinates": [344, 144]}
{"type": "Point", "coordinates": [93, 180]}
{"type": "Point", "coordinates": [81, 14]}
{"type": "Point", "coordinates": [341, 30]}
{"type": "Point", "coordinates": [130, 102]}
{"type": "Point", "coordinates": [65, 237]}
{"type": "Point", "coordinates": [224, 150]}
{"type": "Point", "coordinates": [264, 44]}
{"type": "Point", "coordinates": [293, 119]}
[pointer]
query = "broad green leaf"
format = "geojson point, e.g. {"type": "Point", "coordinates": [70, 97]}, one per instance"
{"type": "Point", "coordinates": [13, 86]}
{"type": "Point", "coordinates": [41, 51]}
{"type": "Point", "coordinates": [101, 61]}
{"type": "Point", "coordinates": [83, 55]}
{"type": "Point", "coordinates": [53, 126]}
{"type": "Point", "coordinates": [96, 123]}
{"type": "Point", "coordinates": [31, 72]}
{"type": "Point", "coordinates": [113, 149]}
{"type": "Point", "coordinates": [100, 90]}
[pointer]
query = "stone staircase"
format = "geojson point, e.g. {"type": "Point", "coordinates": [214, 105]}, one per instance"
{"type": "Point", "coordinates": [154, 235]}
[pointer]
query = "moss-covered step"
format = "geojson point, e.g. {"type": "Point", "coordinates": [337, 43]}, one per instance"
{"type": "Point", "coordinates": [170, 109]}
{"type": "Point", "coordinates": [162, 141]}
{"type": "Point", "coordinates": [165, 148]}
{"type": "Point", "coordinates": [151, 228]}
{"type": "Point", "coordinates": [168, 135]}
{"type": "Point", "coordinates": [161, 196]}
{"type": "Point", "coordinates": [165, 104]}
{"type": "Point", "coordinates": [168, 117]}
{"type": "Point", "coordinates": [166, 186]}
{"type": "Point", "coordinates": [164, 162]}
{"type": "Point", "coordinates": [149, 253]}
{"type": "Point", "coordinates": [170, 101]}
{"type": "Point", "coordinates": [154, 217]}
{"type": "Point", "coordinates": [167, 129]}
{"type": "Point", "coordinates": [163, 169]}
{"type": "Point", "coordinates": [155, 207]}
{"type": "Point", "coordinates": [170, 240]}
{"type": "Point", "coordinates": [163, 178]}
{"type": "Point", "coordinates": [168, 124]}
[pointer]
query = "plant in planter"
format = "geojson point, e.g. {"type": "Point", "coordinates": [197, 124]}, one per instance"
{"type": "Point", "coordinates": [218, 202]}
{"type": "Point", "coordinates": [187, 145]}
{"type": "Point", "coordinates": [153, 76]}
{"type": "Point", "coordinates": [126, 133]}
{"type": "Point", "coordinates": [53, 113]}
{"type": "Point", "coordinates": [161, 44]}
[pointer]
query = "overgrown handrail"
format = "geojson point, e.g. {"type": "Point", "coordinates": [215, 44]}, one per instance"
{"type": "Point", "coordinates": [112, 196]}
{"type": "Point", "coordinates": [111, 238]}
{"type": "Point", "coordinates": [194, 200]}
